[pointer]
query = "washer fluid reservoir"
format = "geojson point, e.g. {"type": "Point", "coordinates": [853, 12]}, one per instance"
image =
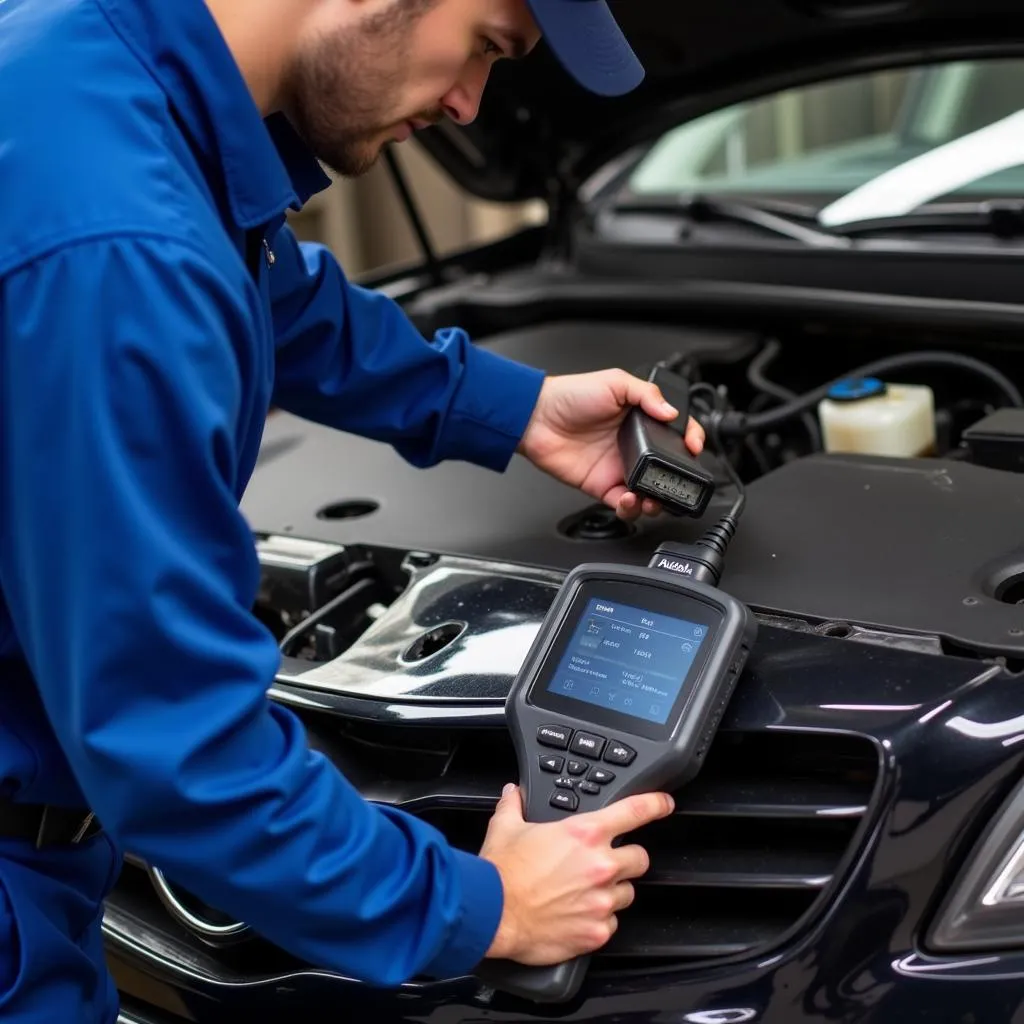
{"type": "Point", "coordinates": [870, 417]}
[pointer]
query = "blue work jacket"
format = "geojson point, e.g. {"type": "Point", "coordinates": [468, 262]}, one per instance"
{"type": "Point", "coordinates": [138, 360]}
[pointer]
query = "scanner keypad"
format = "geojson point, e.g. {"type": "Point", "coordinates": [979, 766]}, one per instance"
{"type": "Point", "coordinates": [556, 736]}
{"type": "Point", "coordinates": [587, 744]}
{"type": "Point", "coordinates": [564, 800]}
{"type": "Point", "coordinates": [619, 753]}
{"type": "Point", "coordinates": [580, 776]}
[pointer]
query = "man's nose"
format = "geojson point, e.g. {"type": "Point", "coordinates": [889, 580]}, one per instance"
{"type": "Point", "coordinates": [462, 102]}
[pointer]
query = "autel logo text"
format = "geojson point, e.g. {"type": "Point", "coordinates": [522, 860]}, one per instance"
{"type": "Point", "coordinates": [684, 567]}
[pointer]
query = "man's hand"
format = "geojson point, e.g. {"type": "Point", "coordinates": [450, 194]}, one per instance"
{"type": "Point", "coordinates": [563, 881]}
{"type": "Point", "coordinates": [573, 433]}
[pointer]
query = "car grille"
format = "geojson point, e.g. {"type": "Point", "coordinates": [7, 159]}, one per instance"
{"type": "Point", "coordinates": [753, 848]}
{"type": "Point", "coordinates": [755, 842]}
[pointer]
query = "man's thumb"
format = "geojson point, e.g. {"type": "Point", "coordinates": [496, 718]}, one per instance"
{"type": "Point", "coordinates": [510, 806]}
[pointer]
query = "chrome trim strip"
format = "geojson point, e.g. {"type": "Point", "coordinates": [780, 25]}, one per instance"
{"type": "Point", "coordinates": [500, 607]}
{"type": "Point", "coordinates": [376, 710]}
{"type": "Point", "coordinates": [138, 941]}
{"type": "Point", "coordinates": [203, 929]}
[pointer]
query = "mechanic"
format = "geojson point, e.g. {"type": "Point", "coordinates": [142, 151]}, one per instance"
{"type": "Point", "coordinates": [154, 306]}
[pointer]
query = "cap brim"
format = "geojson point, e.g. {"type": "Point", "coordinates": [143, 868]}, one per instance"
{"type": "Point", "coordinates": [588, 42]}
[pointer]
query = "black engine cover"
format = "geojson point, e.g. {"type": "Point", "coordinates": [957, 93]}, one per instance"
{"type": "Point", "coordinates": [922, 546]}
{"type": "Point", "coordinates": [915, 545]}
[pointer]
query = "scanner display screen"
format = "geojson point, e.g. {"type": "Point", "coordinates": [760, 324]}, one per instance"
{"type": "Point", "coordinates": [628, 660]}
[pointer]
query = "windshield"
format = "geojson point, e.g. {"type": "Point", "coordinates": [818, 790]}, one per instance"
{"type": "Point", "coordinates": [824, 141]}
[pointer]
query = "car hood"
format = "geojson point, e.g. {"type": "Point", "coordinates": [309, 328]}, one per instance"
{"type": "Point", "coordinates": [538, 134]}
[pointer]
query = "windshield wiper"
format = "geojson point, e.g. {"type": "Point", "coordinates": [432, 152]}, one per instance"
{"type": "Point", "coordinates": [1001, 218]}
{"type": "Point", "coordinates": [787, 220]}
{"type": "Point", "coordinates": [998, 218]}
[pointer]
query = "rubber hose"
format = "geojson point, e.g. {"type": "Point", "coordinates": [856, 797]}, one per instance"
{"type": "Point", "coordinates": [757, 379]}
{"type": "Point", "coordinates": [737, 424]}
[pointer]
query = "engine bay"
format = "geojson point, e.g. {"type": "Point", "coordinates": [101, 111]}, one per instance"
{"type": "Point", "coordinates": [404, 603]}
{"type": "Point", "coordinates": [924, 552]}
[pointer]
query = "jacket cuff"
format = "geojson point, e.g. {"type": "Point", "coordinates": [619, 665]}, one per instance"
{"type": "Point", "coordinates": [491, 407]}
{"type": "Point", "coordinates": [473, 932]}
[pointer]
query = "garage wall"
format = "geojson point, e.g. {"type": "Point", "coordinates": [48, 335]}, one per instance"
{"type": "Point", "coordinates": [365, 225]}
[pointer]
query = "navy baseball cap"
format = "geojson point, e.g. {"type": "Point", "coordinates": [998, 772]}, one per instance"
{"type": "Point", "coordinates": [588, 42]}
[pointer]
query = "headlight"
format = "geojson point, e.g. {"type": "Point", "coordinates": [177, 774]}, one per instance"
{"type": "Point", "coordinates": [985, 909]}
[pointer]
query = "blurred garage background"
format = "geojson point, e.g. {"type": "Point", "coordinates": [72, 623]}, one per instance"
{"type": "Point", "coordinates": [828, 137]}
{"type": "Point", "coordinates": [364, 224]}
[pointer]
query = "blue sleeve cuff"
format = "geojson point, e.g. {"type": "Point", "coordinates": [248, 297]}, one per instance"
{"type": "Point", "coordinates": [483, 900]}
{"type": "Point", "coordinates": [491, 408]}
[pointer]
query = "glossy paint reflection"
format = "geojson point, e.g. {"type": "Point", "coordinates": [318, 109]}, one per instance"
{"type": "Point", "coordinates": [940, 725]}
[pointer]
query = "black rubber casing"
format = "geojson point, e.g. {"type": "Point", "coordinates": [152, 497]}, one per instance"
{"type": "Point", "coordinates": [660, 764]}
{"type": "Point", "coordinates": [643, 440]}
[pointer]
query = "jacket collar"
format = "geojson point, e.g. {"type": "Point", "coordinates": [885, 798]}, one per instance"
{"type": "Point", "coordinates": [263, 165]}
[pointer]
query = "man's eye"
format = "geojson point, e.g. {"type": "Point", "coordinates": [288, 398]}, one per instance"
{"type": "Point", "coordinates": [491, 48]}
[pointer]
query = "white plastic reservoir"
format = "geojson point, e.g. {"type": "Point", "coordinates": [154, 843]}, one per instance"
{"type": "Point", "coordinates": [871, 417]}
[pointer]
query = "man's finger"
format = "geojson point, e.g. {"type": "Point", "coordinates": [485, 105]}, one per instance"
{"type": "Point", "coordinates": [654, 403]}
{"type": "Point", "coordinates": [623, 894]}
{"type": "Point", "coordinates": [633, 862]}
{"type": "Point", "coordinates": [633, 812]}
{"type": "Point", "coordinates": [627, 506]}
{"type": "Point", "coordinates": [510, 805]}
{"type": "Point", "coordinates": [648, 396]}
{"type": "Point", "coordinates": [695, 436]}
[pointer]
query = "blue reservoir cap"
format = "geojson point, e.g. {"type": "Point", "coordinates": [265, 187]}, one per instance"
{"type": "Point", "coordinates": [853, 389]}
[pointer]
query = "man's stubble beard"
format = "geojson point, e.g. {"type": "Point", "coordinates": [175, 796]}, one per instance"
{"type": "Point", "coordinates": [345, 91]}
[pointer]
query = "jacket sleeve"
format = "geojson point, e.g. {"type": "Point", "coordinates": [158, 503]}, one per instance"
{"type": "Point", "coordinates": [130, 574]}
{"type": "Point", "coordinates": [350, 358]}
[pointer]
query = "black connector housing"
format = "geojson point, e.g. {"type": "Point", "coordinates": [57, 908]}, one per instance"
{"type": "Point", "coordinates": [658, 466]}
{"type": "Point", "coordinates": [997, 441]}
{"type": "Point", "coordinates": [676, 391]}
{"type": "Point", "coordinates": [702, 561]}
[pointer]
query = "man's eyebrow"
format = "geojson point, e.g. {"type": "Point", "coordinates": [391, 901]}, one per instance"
{"type": "Point", "coordinates": [518, 45]}
{"type": "Point", "coordinates": [513, 39]}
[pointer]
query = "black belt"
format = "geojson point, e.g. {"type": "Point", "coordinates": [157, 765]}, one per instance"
{"type": "Point", "coordinates": [44, 825]}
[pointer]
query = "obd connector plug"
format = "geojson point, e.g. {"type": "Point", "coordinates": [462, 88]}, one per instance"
{"type": "Point", "coordinates": [657, 464]}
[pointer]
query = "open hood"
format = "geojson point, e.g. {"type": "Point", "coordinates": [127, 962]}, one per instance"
{"type": "Point", "coordinates": [538, 132]}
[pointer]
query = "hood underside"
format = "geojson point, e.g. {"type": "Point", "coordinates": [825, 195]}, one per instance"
{"type": "Point", "coordinates": [537, 126]}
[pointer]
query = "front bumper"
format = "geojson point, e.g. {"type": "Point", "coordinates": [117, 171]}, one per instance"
{"type": "Point", "coordinates": [857, 956]}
